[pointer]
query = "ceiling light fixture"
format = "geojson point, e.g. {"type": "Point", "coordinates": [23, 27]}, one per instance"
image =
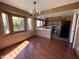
{"type": "Point", "coordinates": [35, 12]}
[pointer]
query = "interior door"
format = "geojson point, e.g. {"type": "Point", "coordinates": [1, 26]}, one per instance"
{"type": "Point", "coordinates": [76, 32]}
{"type": "Point", "coordinates": [74, 29]}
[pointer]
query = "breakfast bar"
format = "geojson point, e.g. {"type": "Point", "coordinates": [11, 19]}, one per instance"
{"type": "Point", "coordinates": [44, 32]}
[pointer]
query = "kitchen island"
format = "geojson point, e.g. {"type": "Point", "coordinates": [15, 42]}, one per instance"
{"type": "Point", "coordinates": [44, 32]}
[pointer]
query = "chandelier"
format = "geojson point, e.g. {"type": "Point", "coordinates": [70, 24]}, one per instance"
{"type": "Point", "coordinates": [35, 12]}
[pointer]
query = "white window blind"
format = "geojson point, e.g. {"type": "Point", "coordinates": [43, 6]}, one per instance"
{"type": "Point", "coordinates": [5, 23]}
{"type": "Point", "coordinates": [29, 24]}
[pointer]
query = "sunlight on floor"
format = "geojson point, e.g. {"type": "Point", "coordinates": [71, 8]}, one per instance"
{"type": "Point", "coordinates": [16, 51]}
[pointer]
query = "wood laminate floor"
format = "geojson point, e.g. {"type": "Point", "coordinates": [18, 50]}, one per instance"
{"type": "Point", "coordinates": [39, 48]}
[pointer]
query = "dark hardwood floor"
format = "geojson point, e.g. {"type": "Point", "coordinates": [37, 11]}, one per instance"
{"type": "Point", "coordinates": [39, 48]}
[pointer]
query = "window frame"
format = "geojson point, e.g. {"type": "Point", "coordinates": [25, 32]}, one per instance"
{"type": "Point", "coordinates": [10, 18]}
{"type": "Point", "coordinates": [31, 24]}
{"type": "Point", "coordinates": [40, 24]}
{"type": "Point", "coordinates": [3, 23]}
{"type": "Point", "coordinates": [24, 23]}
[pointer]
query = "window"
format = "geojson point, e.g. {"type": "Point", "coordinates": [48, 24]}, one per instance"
{"type": "Point", "coordinates": [29, 24]}
{"type": "Point", "coordinates": [5, 23]}
{"type": "Point", "coordinates": [18, 23]}
{"type": "Point", "coordinates": [39, 23]}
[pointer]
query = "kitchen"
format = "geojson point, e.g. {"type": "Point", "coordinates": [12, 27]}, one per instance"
{"type": "Point", "coordinates": [54, 27]}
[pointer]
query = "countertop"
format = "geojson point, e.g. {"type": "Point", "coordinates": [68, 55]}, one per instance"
{"type": "Point", "coordinates": [43, 29]}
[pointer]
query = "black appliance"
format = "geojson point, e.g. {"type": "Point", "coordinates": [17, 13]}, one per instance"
{"type": "Point", "coordinates": [65, 28]}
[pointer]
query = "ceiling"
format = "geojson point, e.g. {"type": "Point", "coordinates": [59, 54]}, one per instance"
{"type": "Point", "coordinates": [27, 5]}
{"type": "Point", "coordinates": [59, 14]}
{"type": "Point", "coordinates": [42, 5]}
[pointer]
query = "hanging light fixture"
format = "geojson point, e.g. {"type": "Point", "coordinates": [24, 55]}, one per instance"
{"type": "Point", "coordinates": [35, 12]}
